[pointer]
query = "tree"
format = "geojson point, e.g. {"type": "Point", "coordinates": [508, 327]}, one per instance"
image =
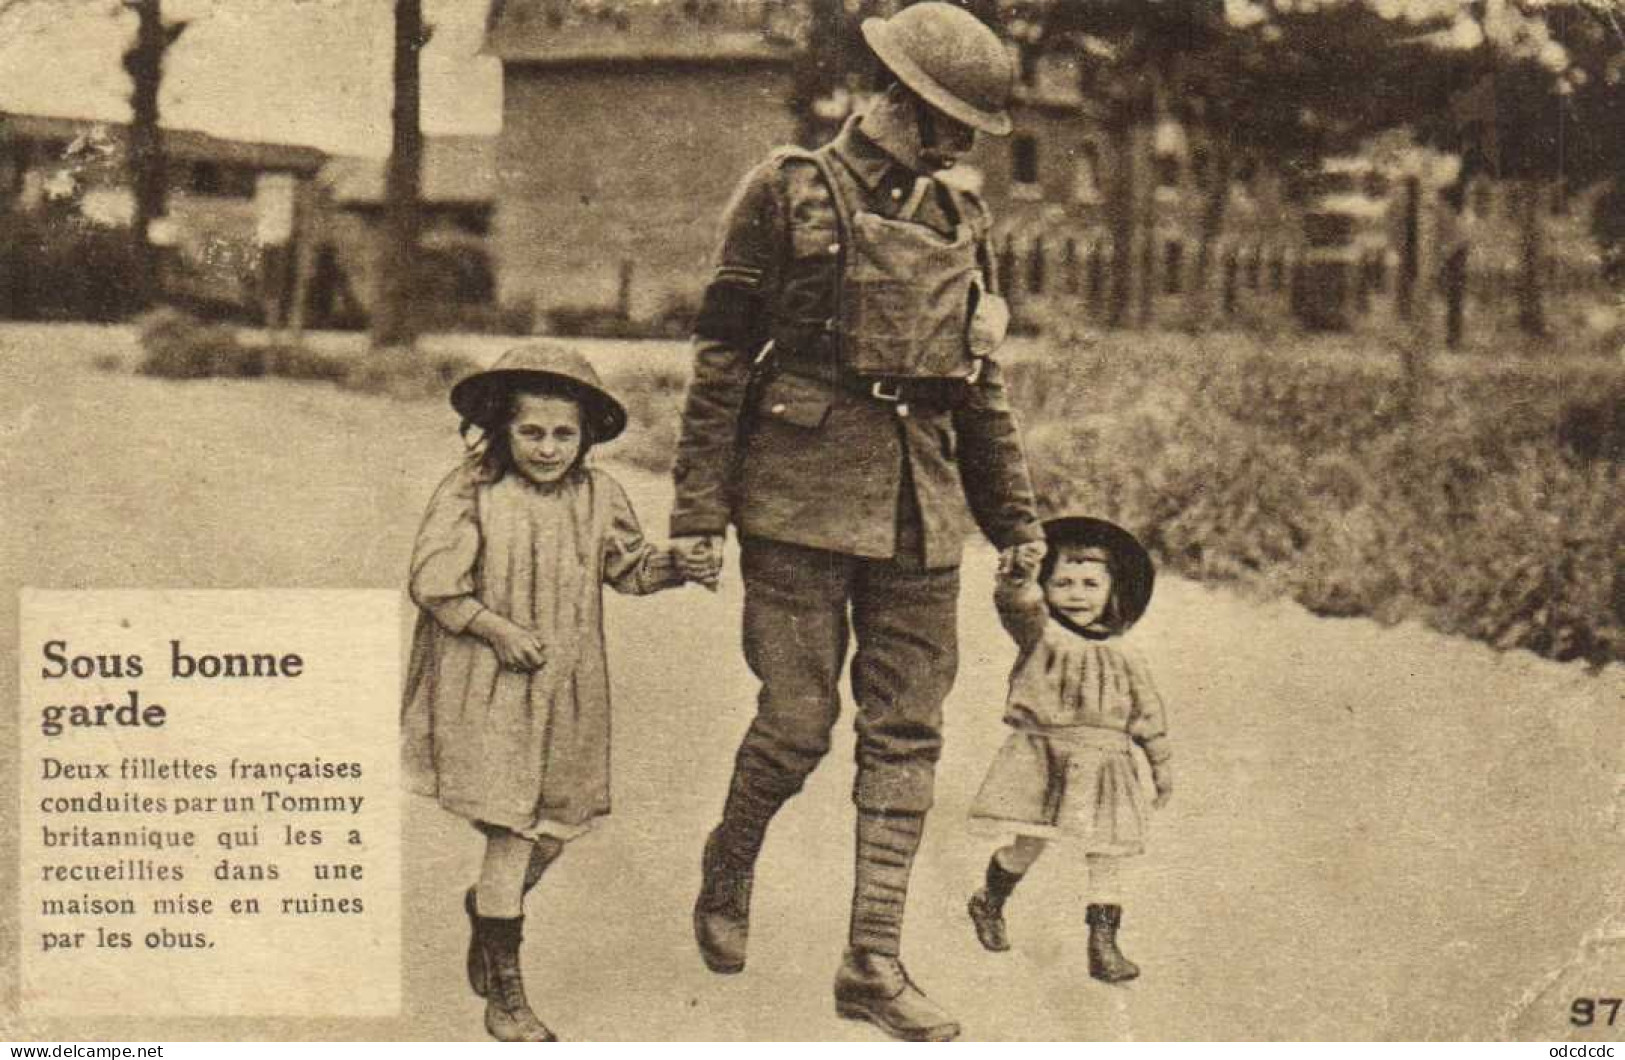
{"type": "Point", "coordinates": [393, 320]}
{"type": "Point", "coordinates": [1544, 106]}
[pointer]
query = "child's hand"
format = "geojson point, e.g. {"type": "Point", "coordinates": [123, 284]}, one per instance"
{"type": "Point", "coordinates": [699, 559]}
{"type": "Point", "coordinates": [517, 647]}
{"type": "Point", "coordinates": [1162, 775]}
{"type": "Point", "coordinates": [1020, 562]}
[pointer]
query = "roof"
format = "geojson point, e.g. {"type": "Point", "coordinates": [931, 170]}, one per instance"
{"type": "Point", "coordinates": [565, 32]}
{"type": "Point", "coordinates": [184, 144]}
{"type": "Point", "coordinates": [457, 171]}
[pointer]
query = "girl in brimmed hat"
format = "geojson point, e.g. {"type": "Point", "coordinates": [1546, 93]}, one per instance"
{"type": "Point", "coordinates": [1079, 702]}
{"type": "Point", "coordinates": [506, 716]}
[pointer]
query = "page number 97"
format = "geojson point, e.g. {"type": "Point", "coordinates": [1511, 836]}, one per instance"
{"type": "Point", "coordinates": [1585, 1011]}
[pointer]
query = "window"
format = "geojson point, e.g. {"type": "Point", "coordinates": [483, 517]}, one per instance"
{"type": "Point", "coordinates": [1199, 168]}
{"type": "Point", "coordinates": [1086, 177]}
{"type": "Point", "coordinates": [212, 178]}
{"type": "Point", "coordinates": [1024, 159]}
{"type": "Point", "coordinates": [206, 178]}
{"type": "Point", "coordinates": [1173, 256]}
{"type": "Point", "coordinates": [1036, 262]}
{"type": "Point", "coordinates": [1277, 272]}
{"type": "Point", "coordinates": [1167, 171]}
{"type": "Point", "coordinates": [1255, 268]}
{"type": "Point", "coordinates": [1247, 174]}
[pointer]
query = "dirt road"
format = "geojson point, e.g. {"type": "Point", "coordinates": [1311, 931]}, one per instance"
{"type": "Point", "coordinates": [1377, 833]}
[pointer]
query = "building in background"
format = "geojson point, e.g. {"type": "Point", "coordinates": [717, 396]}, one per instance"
{"type": "Point", "coordinates": [624, 132]}
{"type": "Point", "coordinates": [456, 276]}
{"type": "Point", "coordinates": [230, 228]}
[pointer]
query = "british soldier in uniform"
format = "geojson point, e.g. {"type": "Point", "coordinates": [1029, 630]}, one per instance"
{"type": "Point", "coordinates": [843, 411]}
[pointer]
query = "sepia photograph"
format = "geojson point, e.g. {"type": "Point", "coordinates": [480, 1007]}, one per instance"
{"type": "Point", "coordinates": [812, 520]}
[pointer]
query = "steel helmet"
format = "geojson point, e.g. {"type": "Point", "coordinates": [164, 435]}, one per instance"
{"type": "Point", "coordinates": [949, 59]}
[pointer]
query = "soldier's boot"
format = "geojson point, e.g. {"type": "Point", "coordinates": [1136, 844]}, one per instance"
{"type": "Point", "coordinates": [1106, 961]}
{"type": "Point", "coordinates": [876, 987]}
{"type": "Point", "coordinates": [543, 853]}
{"type": "Point", "coordinates": [872, 984]}
{"type": "Point", "coordinates": [508, 1016]}
{"type": "Point", "coordinates": [987, 906]}
{"type": "Point", "coordinates": [727, 871]}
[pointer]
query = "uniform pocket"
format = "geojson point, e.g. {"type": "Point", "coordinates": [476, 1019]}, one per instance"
{"type": "Point", "coordinates": [796, 401]}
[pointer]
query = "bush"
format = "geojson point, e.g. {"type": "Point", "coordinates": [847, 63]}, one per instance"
{"type": "Point", "coordinates": [674, 320]}
{"type": "Point", "coordinates": [1492, 512]}
{"type": "Point", "coordinates": [408, 374]}
{"type": "Point", "coordinates": [177, 345]}
{"type": "Point", "coordinates": [58, 266]}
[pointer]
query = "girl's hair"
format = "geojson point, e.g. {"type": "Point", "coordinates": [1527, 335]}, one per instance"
{"type": "Point", "coordinates": [493, 449]}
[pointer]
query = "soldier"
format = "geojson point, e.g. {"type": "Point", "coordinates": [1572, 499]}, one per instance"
{"type": "Point", "coordinates": [843, 410]}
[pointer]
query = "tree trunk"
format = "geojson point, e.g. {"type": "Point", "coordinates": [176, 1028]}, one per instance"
{"type": "Point", "coordinates": [1152, 116]}
{"type": "Point", "coordinates": [1197, 303]}
{"type": "Point", "coordinates": [1409, 251]}
{"type": "Point", "coordinates": [393, 320]}
{"type": "Point", "coordinates": [1455, 296]}
{"type": "Point", "coordinates": [1120, 213]}
{"type": "Point", "coordinates": [1531, 304]}
{"type": "Point", "coordinates": [148, 168]}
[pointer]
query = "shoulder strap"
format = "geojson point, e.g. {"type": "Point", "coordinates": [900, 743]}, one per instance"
{"type": "Point", "coordinates": [821, 159]}
{"type": "Point", "coordinates": [970, 206]}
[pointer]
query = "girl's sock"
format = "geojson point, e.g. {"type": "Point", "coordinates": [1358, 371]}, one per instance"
{"type": "Point", "coordinates": [1000, 882]}
{"type": "Point", "coordinates": [1105, 879]}
{"type": "Point", "coordinates": [500, 892]}
{"type": "Point", "coordinates": [544, 851]}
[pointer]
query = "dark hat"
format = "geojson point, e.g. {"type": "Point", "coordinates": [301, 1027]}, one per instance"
{"type": "Point", "coordinates": [949, 58]}
{"type": "Point", "coordinates": [482, 397]}
{"type": "Point", "coordinates": [1133, 575]}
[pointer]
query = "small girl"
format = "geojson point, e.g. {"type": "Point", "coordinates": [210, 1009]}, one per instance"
{"type": "Point", "coordinates": [506, 715]}
{"type": "Point", "coordinates": [1078, 703]}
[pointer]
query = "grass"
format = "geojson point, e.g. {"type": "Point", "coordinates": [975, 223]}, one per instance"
{"type": "Point", "coordinates": [1484, 499]}
{"type": "Point", "coordinates": [1486, 504]}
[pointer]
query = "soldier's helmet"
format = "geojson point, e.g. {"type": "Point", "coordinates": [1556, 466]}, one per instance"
{"type": "Point", "coordinates": [950, 59]}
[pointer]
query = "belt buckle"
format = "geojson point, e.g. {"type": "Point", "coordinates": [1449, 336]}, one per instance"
{"type": "Point", "coordinates": [894, 397]}
{"type": "Point", "coordinates": [878, 391]}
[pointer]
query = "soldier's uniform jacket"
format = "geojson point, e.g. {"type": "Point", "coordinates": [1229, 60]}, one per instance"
{"type": "Point", "coordinates": [794, 451]}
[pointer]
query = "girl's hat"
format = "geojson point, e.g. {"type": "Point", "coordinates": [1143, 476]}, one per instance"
{"type": "Point", "coordinates": [1133, 575]}
{"type": "Point", "coordinates": [482, 397]}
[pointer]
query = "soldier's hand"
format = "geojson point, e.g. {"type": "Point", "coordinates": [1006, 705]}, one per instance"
{"type": "Point", "coordinates": [699, 558]}
{"type": "Point", "coordinates": [1021, 562]}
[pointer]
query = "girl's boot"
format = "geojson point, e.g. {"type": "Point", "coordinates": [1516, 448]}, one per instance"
{"type": "Point", "coordinates": [508, 1016]}
{"type": "Point", "coordinates": [987, 906]}
{"type": "Point", "coordinates": [1106, 961]}
{"type": "Point", "coordinates": [543, 854]}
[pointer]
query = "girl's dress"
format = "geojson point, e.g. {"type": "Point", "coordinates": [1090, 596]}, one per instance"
{"type": "Point", "coordinates": [1078, 703]}
{"type": "Point", "coordinates": [527, 751]}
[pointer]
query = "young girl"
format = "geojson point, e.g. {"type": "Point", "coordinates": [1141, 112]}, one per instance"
{"type": "Point", "coordinates": [1078, 703]}
{"type": "Point", "coordinates": [506, 716]}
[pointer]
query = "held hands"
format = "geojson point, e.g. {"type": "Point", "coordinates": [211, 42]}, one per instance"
{"type": "Point", "coordinates": [699, 558]}
{"type": "Point", "coordinates": [1019, 563]}
{"type": "Point", "coordinates": [517, 647]}
{"type": "Point", "coordinates": [1162, 776]}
